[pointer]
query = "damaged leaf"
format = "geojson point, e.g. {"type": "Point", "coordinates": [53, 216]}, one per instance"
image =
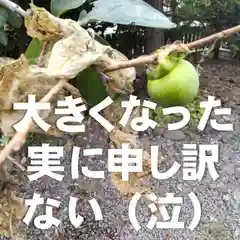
{"type": "Point", "coordinates": [137, 181]}
{"type": "Point", "coordinates": [41, 25]}
{"type": "Point", "coordinates": [18, 80]}
{"type": "Point", "coordinates": [121, 80]}
{"type": "Point", "coordinates": [77, 50]}
{"type": "Point", "coordinates": [74, 52]}
{"type": "Point", "coordinates": [72, 55]}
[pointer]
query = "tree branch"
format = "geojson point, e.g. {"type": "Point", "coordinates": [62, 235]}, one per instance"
{"type": "Point", "coordinates": [20, 137]}
{"type": "Point", "coordinates": [153, 57]}
{"type": "Point", "coordinates": [14, 7]}
{"type": "Point", "coordinates": [40, 61]}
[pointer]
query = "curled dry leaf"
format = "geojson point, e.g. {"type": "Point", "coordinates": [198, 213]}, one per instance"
{"type": "Point", "coordinates": [137, 181]}
{"type": "Point", "coordinates": [115, 112]}
{"type": "Point", "coordinates": [18, 80]}
{"type": "Point", "coordinates": [40, 25]}
{"type": "Point", "coordinates": [10, 70]}
{"type": "Point", "coordinates": [129, 188]}
{"type": "Point", "coordinates": [76, 49]}
{"type": "Point", "coordinates": [72, 55]}
{"type": "Point", "coordinates": [119, 80]}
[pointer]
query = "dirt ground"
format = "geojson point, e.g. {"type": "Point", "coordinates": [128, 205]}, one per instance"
{"type": "Point", "coordinates": [219, 200]}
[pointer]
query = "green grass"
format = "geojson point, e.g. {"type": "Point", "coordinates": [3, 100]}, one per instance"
{"type": "Point", "coordinates": [195, 114]}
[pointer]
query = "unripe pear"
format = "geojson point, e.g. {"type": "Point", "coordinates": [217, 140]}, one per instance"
{"type": "Point", "coordinates": [176, 88]}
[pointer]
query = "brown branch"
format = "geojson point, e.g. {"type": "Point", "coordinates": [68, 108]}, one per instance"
{"type": "Point", "coordinates": [40, 61]}
{"type": "Point", "coordinates": [71, 89]}
{"type": "Point", "coordinates": [14, 7]}
{"type": "Point", "coordinates": [153, 57]}
{"type": "Point", "coordinates": [14, 161]}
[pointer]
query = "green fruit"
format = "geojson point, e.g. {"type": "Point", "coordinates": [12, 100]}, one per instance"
{"type": "Point", "coordinates": [176, 88]}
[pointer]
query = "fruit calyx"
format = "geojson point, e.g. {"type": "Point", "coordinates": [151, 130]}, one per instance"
{"type": "Point", "coordinates": [165, 66]}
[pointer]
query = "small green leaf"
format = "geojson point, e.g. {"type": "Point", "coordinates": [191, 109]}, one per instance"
{"type": "Point", "coordinates": [33, 51]}
{"type": "Point", "coordinates": [3, 37]}
{"type": "Point", "coordinates": [58, 7]}
{"type": "Point", "coordinates": [127, 12]}
{"type": "Point", "coordinates": [3, 16]}
{"type": "Point", "coordinates": [234, 48]}
{"type": "Point", "coordinates": [90, 85]}
{"type": "Point", "coordinates": [14, 19]}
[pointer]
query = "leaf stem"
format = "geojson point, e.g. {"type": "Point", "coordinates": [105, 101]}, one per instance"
{"type": "Point", "coordinates": [43, 53]}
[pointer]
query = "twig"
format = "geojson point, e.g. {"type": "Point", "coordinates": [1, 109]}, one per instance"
{"type": "Point", "coordinates": [40, 61]}
{"type": "Point", "coordinates": [14, 7]}
{"type": "Point", "coordinates": [153, 57]}
{"type": "Point", "coordinates": [10, 215]}
{"type": "Point", "coordinates": [70, 88]}
{"type": "Point", "coordinates": [10, 224]}
{"type": "Point", "coordinates": [16, 163]}
{"type": "Point", "coordinates": [20, 137]}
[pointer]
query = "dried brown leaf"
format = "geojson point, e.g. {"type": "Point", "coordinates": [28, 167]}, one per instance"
{"type": "Point", "coordinates": [41, 25]}
{"type": "Point", "coordinates": [76, 49]}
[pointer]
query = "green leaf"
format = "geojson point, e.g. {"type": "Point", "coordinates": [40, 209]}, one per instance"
{"type": "Point", "coordinates": [90, 85]}
{"type": "Point", "coordinates": [33, 51]}
{"type": "Point", "coordinates": [58, 7]}
{"type": "Point", "coordinates": [14, 19]}
{"type": "Point", "coordinates": [127, 12]}
{"type": "Point", "coordinates": [3, 16]}
{"type": "Point", "coordinates": [3, 37]}
{"type": "Point", "coordinates": [234, 48]}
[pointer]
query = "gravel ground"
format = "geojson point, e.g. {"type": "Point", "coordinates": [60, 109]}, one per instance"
{"type": "Point", "coordinates": [220, 200]}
